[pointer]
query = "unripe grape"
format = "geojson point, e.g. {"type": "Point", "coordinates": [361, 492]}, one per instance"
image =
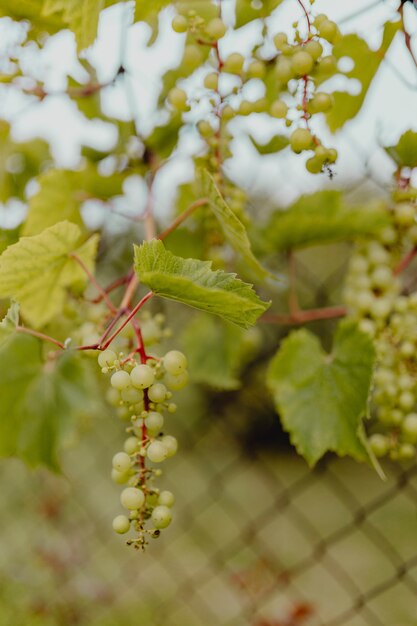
{"type": "Point", "coordinates": [327, 65]}
{"type": "Point", "coordinates": [379, 444]}
{"type": "Point", "coordinates": [234, 63]}
{"type": "Point", "coordinates": [332, 155]}
{"type": "Point", "coordinates": [388, 235]}
{"type": "Point", "coordinates": [180, 24]}
{"type": "Point", "coordinates": [130, 395]}
{"type": "Point", "coordinates": [154, 422]}
{"type": "Point", "coordinates": [113, 396]}
{"type": "Point", "coordinates": [406, 400]}
{"type": "Point", "coordinates": [328, 30]}
{"type": "Point", "coordinates": [142, 376]}
{"type": "Point", "coordinates": [132, 498]}
{"type": "Point", "coordinates": [157, 452]}
{"type": "Point", "coordinates": [301, 139]}
{"type": "Point", "coordinates": [166, 498]}
{"type": "Point", "coordinates": [131, 445]}
{"type": "Point", "coordinates": [404, 214]}
{"type": "Point", "coordinates": [314, 165]}
{"type": "Point", "coordinates": [120, 478]}
{"type": "Point", "coordinates": [216, 28]}
{"type": "Point", "coordinates": [192, 56]}
{"type": "Point", "coordinates": [319, 19]}
{"type": "Point", "coordinates": [409, 428]}
{"type": "Point", "coordinates": [381, 308]}
{"type": "Point", "coordinates": [359, 264]}
{"type": "Point", "coordinates": [171, 444]}
{"type": "Point", "coordinates": [246, 107]}
{"type": "Point", "coordinates": [382, 276]}
{"type": "Point", "coordinates": [302, 63]}
{"type": "Point", "coordinates": [121, 524]}
{"type": "Point", "coordinates": [211, 81]}
{"type": "Point", "coordinates": [280, 40]}
{"type": "Point", "coordinates": [106, 358]}
{"type": "Point", "coordinates": [256, 69]}
{"type": "Point", "coordinates": [284, 70]}
{"type": "Point", "coordinates": [314, 49]}
{"type": "Point", "coordinates": [279, 109]}
{"type": "Point", "coordinates": [407, 349]}
{"type": "Point", "coordinates": [367, 326]}
{"type": "Point", "coordinates": [321, 102]}
{"type": "Point", "coordinates": [228, 112]}
{"type": "Point", "coordinates": [121, 462]}
{"type": "Point", "coordinates": [176, 383]}
{"type": "Point", "coordinates": [120, 380]}
{"type": "Point", "coordinates": [161, 517]}
{"type": "Point", "coordinates": [320, 153]}
{"type": "Point", "coordinates": [364, 300]}
{"type": "Point", "coordinates": [178, 99]}
{"type": "Point", "coordinates": [406, 452]}
{"type": "Point", "coordinates": [157, 393]}
{"type": "Point", "coordinates": [175, 362]}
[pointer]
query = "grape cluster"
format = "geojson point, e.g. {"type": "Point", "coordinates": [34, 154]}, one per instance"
{"type": "Point", "coordinates": [290, 78]}
{"type": "Point", "coordinates": [376, 296]}
{"type": "Point", "coordinates": [143, 392]}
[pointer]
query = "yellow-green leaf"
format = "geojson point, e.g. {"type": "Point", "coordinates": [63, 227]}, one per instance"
{"type": "Point", "coordinates": [9, 322]}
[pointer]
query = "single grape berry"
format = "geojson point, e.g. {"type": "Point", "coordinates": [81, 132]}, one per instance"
{"type": "Point", "coordinates": [131, 445]}
{"type": "Point", "coordinates": [106, 358]}
{"type": "Point", "coordinates": [234, 63]}
{"type": "Point", "coordinates": [120, 478]}
{"type": "Point", "coordinates": [131, 395]}
{"type": "Point", "coordinates": [279, 109]}
{"type": "Point", "coordinates": [328, 30]}
{"type": "Point", "coordinates": [170, 444]}
{"type": "Point", "coordinates": [314, 165]}
{"type": "Point", "coordinates": [132, 498]}
{"type": "Point", "coordinates": [314, 49]}
{"type": "Point", "coordinates": [302, 63]}
{"type": "Point", "coordinates": [211, 81]}
{"type": "Point", "coordinates": [301, 139]}
{"type": "Point", "coordinates": [178, 99]}
{"type": "Point", "coordinates": [154, 422]}
{"type": "Point", "coordinates": [321, 102]}
{"type": "Point", "coordinates": [121, 524]}
{"type": "Point", "coordinates": [175, 362]}
{"type": "Point", "coordinates": [216, 28]}
{"type": "Point", "coordinates": [121, 462]}
{"type": "Point", "coordinates": [409, 428]}
{"type": "Point", "coordinates": [180, 24]}
{"type": "Point", "coordinates": [379, 444]}
{"type": "Point", "coordinates": [256, 69]}
{"type": "Point", "coordinates": [120, 380]}
{"type": "Point", "coordinates": [157, 452]}
{"type": "Point", "coordinates": [157, 393]}
{"type": "Point", "coordinates": [280, 40]}
{"type": "Point", "coordinates": [284, 70]}
{"type": "Point", "coordinates": [176, 383]}
{"type": "Point", "coordinates": [142, 376]}
{"type": "Point", "coordinates": [161, 517]}
{"type": "Point", "coordinates": [166, 498]}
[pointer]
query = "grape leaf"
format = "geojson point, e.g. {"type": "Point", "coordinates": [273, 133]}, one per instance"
{"type": "Point", "coordinates": [322, 217]}
{"type": "Point", "coordinates": [193, 282]}
{"type": "Point", "coordinates": [322, 398]}
{"type": "Point", "coordinates": [366, 64]}
{"type": "Point", "coordinates": [80, 16]}
{"type": "Point", "coordinates": [39, 400]}
{"type": "Point", "coordinates": [9, 322]}
{"type": "Point", "coordinates": [276, 144]}
{"type": "Point", "coordinates": [232, 227]}
{"type": "Point", "coordinates": [405, 152]}
{"type": "Point", "coordinates": [247, 10]}
{"type": "Point", "coordinates": [37, 270]}
{"type": "Point", "coordinates": [62, 192]}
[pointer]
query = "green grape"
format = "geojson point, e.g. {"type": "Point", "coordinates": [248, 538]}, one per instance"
{"type": "Point", "coordinates": [409, 428]}
{"type": "Point", "coordinates": [321, 102]}
{"type": "Point", "coordinates": [280, 40]}
{"type": "Point", "coordinates": [234, 63]}
{"type": "Point", "coordinates": [302, 63]}
{"type": "Point", "coordinates": [314, 165]}
{"type": "Point", "coordinates": [216, 28]}
{"type": "Point", "coordinates": [157, 393]}
{"type": "Point", "coordinates": [256, 69]}
{"type": "Point", "coordinates": [157, 452]}
{"type": "Point", "coordinates": [132, 498]}
{"type": "Point", "coordinates": [171, 445]}
{"type": "Point", "coordinates": [161, 517]}
{"type": "Point", "coordinates": [131, 445]}
{"type": "Point", "coordinates": [211, 81]}
{"type": "Point", "coordinates": [193, 56]}
{"type": "Point", "coordinates": [382, 276]}
{"type": "Point", "coordinates": [328, 30]}
{"type": "Point", "coordinates": [113, 396]}
{"type": "Point", "coordinates": [406, 400]}
{"type": "Point", "coordinates": [176, 383]}
{"type": "Point", "coordinates": [121, 462]}
{"type": "Point", "coordinates": [175, 362]}
{"type": "Point", "coordinates": [284, 70]}
{"type": "Point", "coordinates": [178, 99]}
{"type": "Point", "coordinates": [120, 478]}
{"type": "Point", "coordinates": [332, 155]}
{"type": "Point", "coordinates": [180, 24]}
{"type": "Point", "coordinates": [142, 376]}
{"type": "Point", "coordinates": [228, 113]}
{"type": "Point", "coordinates": [154, 422]}
{"type": "Point", "coordinates": [120, 380]}
{"type": "Point", "coordinates": [404, 214]}
{"type": "Point", "coordinates": [319, 19]}
{"type": "Point", "coordinates": [121, 524]}
{"type": "Point", "coordinates": [379, 444]}
{"type": "Point", "coordinates": [314, 49]}
{"type": "Point", "coordinates": [406, 452]}
{"type": "Point", "coordinates": [106, 358]}
{"type": "Point", "coordinates": [327, 65]}
{"type": "Point", "coordinates": [278, 109]}
{"type": "Point", "coordinates": [301, 139]}
{"type": "Point", "coordinates": [246, 107]}
{"type": "Point", "coordinates": [166, 498]}
{"type": "Point", "coordinates": [130, 395]}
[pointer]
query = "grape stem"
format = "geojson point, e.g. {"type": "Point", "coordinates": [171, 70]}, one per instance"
{"type": "Point", "coordinates": [114, 285]}
{"type": "Point", "coordinates": [405, 262]}
{"type": "Point", "coordinates": [302, 317]}
{"type": "Point", "coordinates": [94, 282]}
{"type": "Point", "coordinates": [35, 333]}
{"type": "Point", "coordinates": [127, 320]}
{"type": "Point", "coordinates": [181, 218]}
{"type": "Point", "coordinates": [407, 36]}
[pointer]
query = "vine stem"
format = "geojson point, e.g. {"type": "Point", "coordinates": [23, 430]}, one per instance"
{"type": "Point", "coordinates": [35, 333]}
{"type": "Point", "coordinates": [128, 318]}
{"type": "Point", "coordinates": [300, 2]}
{"type": "Point", "coordinates": [302, 317]}
{"type": "Point", "coordinates": [181, 218]}
{"type": "Point", "coordinates": [407, 36]}
{"type": "Point", "coordinates": [94, 282]}
{"type": "Point", "coordinates": [405, 262]}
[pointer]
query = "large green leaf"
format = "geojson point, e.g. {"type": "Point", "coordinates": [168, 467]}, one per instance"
{"type": "Point", "coordinates": [405, 152]}
{"type": "Point", "coordinates": [193, 282]}
{"type": "Point", "coordinates": [80, 16]}
{"type": "Point", "coordinates": [233, 229]}
{"type": "Point", "coordinates": [9, 322]}
{"type": "Point", "coordinates": [62, 192]}
{"type": "Point", "coordinates": [366, 64]}
{"type": "Point", "coordinates": [322, 217]}
{"type": "Point", "coordinates": [39, 401]}
{"type": "Point", "coordinates": [322, 398]}
{"type": "Point", "coordinates": [247, 10]}
{"type": "Point", "coordinates": [37, 270]}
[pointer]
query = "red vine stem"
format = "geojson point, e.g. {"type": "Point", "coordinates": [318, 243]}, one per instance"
{"type": "Point", "coordinates": [128, 318]}
{"type": "Point", "coordinates": [407, 36]}
{"type": "Point", "coordinates": [181, 218]}
{"type": "Point", "coordinates": [302, 317]}
{"type": "Point", "coordinates": [306, 15]}
{"type": "Point", "coordinates": [405, 262]}
{"type": "Point", "coordinates": [35, 333]}
{"type": "Point", "coordinates": [94, 282]}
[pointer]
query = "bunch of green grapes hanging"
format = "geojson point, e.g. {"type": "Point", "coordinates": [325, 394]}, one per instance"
{"type": "Point", "coordinates": [142, 391]}
{"type": "Point", "coordinates": [378, 296]}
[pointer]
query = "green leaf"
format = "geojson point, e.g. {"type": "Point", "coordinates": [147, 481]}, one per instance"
{"type": "Point", "coordinates": [39, 400]}
{"type": "Point", "coordinates": [61, 194]}
{"type": "Point", "coordinates": [219, 368]}
{"type": "Point", "coordinates": [146, 11]}
{"type": "Point", "coordinates": [405, 152]}
{"type": "Point", "coordinates": [233, 229]}
{"type": "Point", "coordinates": [322, 398]}
{"type": "Point", "coordinates": [276, 144]}
{"type": "Point", "coordinates": [247, 10]}
{"type": "Point", "coordinates": [164, 139]}
{"type": "Point", "coordinates": [80, 16]}
{"type": "Point", "coordinates": [9, 322]}
{"type": "Point", "coordinates": [320, 218]}
{"type": "Point", "coordinates": [366, 64]}
{"type": "Point", "coordinates": [193, 282]}
{"type": "Point", "coordinates": [37, 270]}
